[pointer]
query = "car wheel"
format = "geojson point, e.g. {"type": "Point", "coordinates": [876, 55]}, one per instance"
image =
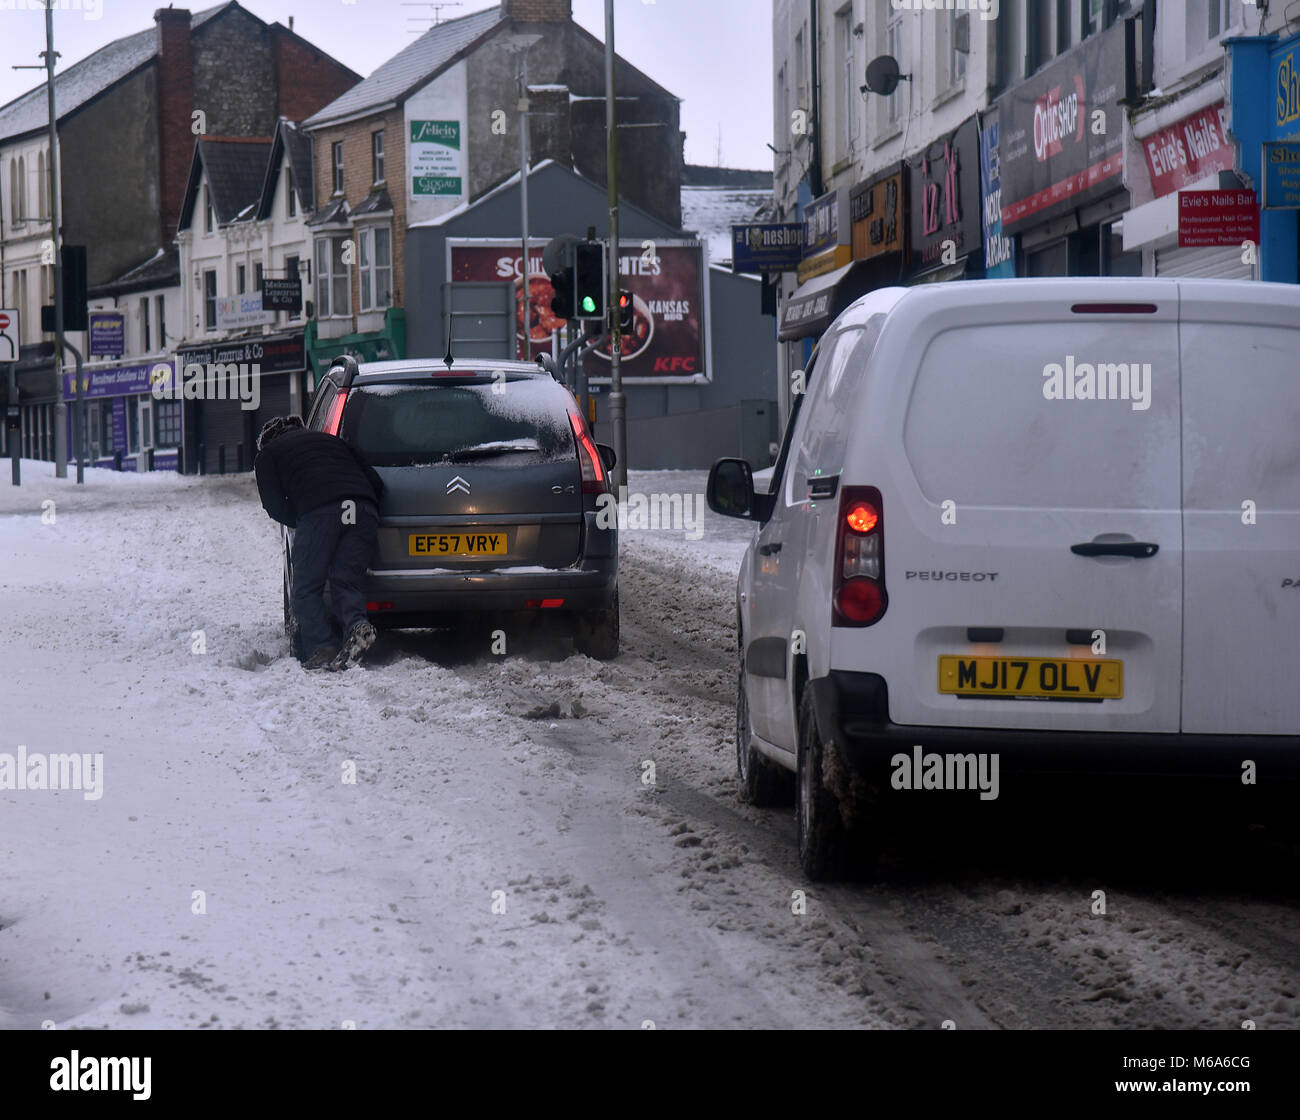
{"type": "Point", "coordinates": [596, 633]}
{"type": "Point", "coordinates": [291, 625]}
{"type": "Point", "coordinates": [762, 781]}
{"type": "Point", "coordinates": [827, 849]}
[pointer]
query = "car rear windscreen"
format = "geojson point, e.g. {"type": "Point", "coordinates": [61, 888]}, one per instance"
{"type": "Point", "coordinates": [522, 422]}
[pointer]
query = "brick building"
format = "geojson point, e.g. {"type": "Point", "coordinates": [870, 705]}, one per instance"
{"type": "Point", "coordinates": [126, 135]}
{"type": "Point", "coordinates": [437, 126]}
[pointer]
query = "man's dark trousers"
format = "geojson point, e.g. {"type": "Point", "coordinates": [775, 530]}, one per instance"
{"type": "Point", "coordinates": [326, 547]}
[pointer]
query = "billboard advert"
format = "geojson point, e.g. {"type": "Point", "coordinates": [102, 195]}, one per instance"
{"type": "Point", "coordinates": [668, 343]}
{"type": "Point", "coordinates": [1062, 134]}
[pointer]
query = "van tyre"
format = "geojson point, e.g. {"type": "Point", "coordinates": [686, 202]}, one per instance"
{"type": "Point", "coordinates": [827, 849]}
{"type": "Point", "coordinates": [597, 634]}
{"type": "Point", "coordinates": [762, 781]}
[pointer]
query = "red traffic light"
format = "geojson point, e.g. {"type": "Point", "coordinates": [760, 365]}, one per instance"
{"type": "Point", "coordinates": [626, 310]}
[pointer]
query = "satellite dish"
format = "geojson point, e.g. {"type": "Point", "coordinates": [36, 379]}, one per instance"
{"type": "Point", "coordinates": [883, 75]}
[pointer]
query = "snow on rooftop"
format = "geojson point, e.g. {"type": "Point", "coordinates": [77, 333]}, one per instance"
{"type": "Point", "coordinates": [712, 211]}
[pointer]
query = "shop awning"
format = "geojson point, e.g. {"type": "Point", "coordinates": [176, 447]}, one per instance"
{"type": "Point", "coordinates": [812, 306]}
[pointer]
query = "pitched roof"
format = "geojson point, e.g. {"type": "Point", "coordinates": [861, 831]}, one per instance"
{"type": "Point", "coordinates": [711, 212]}
{"type": "Point", "coordinates": [411, 67]}
{"type": "Point", "coordinates": [290, 141]}
{"type": "Point", "coordinates": [235, 167]}
{"type": "Point", "coordinates": [162, 270]}
{"type": "Point", "coordinates": [85, 80]}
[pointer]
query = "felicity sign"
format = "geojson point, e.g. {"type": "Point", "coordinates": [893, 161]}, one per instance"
{"type": "Point", "coordinates": [1209, 218]}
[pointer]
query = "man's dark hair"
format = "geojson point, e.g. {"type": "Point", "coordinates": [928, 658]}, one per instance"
{"type": "Point", "coordinates": [277, 426]}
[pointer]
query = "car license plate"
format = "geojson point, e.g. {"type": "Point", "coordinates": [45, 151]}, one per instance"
{"type": "Point", "coordinates": [1064, 678]}
{"type": "Point", "coordinates": [491, 543]}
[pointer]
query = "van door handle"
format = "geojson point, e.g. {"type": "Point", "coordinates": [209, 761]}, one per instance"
{"type": "Point", "coordinates": [769, 549]}
{"type": "Point", "coordinates": [1139, 550]}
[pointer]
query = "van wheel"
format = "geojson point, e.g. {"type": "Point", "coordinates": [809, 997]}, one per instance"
{"type": "Point", "coordinates": [596, 633]}
{"type": "Point", "coordinates": [762, 782]}
{"type": "Point", "coordinates": [291, 625]}
{"type": "Point", "coordinates": [825, 849]}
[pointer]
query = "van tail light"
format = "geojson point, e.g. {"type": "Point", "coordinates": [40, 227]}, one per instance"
{"type": "Point", "coordinates": [858, 590]}
{"type": "Point", "coordinates": [594, 478]}
{"type": "Point", "coordinates": [334, 420]}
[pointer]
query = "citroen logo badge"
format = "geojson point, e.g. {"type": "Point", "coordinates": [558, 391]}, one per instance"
{"type": "Point", "coordinates": [458, 483]}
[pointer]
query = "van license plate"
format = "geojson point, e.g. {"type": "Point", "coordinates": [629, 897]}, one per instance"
{"type": "Point", "coordinates": [1064, 678]}
{"type": "Point", "coordinates": [457, 544]}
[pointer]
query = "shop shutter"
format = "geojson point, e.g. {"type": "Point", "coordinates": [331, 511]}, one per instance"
{"type": "Point", "coordinates": [1222, 263]}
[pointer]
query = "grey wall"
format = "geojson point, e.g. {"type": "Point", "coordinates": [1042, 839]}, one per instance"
{"type": "Point", "coordinates": [109, 153]}
{"type": "Point", "coordinates": [689, 426]}
{"type": "Point", "coordinates": [649, 159]}
{"type": "Point", "coordinates": [685, 427]}
{"type": "Point", "coordinates": [234, 75]}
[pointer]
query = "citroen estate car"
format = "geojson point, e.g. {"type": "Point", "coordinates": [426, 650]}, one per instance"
{"type": "Point", "coordinates": [1051, 521]}
{"type": "Point", "coordinates": [490, 503]}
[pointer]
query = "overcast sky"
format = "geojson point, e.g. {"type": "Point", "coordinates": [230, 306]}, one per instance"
{"type": "Point", "coordinates": [714, 54]}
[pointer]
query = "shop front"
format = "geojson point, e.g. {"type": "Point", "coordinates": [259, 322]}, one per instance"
{"type": "Point", "coordinates": [127, 427]}
{"type": "Point", "coordinates": [386, 344]}
{"type": "Point", "coordinates": [1061, 162]}
{"type": "Point", "coordinates": [1264, 116]}
{"type": "Point", "coordinates": [944, 229]}
{"type": "Point", "coordinates": [230, 389]}
{"type": "Point", "coordinates": [1185, 148]}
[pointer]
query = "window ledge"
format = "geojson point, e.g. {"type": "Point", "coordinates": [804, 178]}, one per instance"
{"type": "Point", "coordinates": [951, 93]}
{"type": "Point", "coordinates": [883, 139]}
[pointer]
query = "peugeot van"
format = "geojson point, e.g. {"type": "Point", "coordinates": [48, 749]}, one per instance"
{"type": "Point", "coordinates": [1055, 521]}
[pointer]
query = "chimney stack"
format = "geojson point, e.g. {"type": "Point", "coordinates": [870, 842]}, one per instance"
{"type": "Point", "coordinates": [175, 106]}
{"type": "Point", "coordinates": [537, 11]}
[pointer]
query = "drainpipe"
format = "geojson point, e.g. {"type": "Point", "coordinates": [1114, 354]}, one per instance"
{"type": "Point", "coordinates": [815, 182]}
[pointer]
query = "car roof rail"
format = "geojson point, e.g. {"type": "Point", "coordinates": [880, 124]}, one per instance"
{"type": "Point", "coordinates": [548, 364]}
{"type": "Point", "coordinates": [348, 364]}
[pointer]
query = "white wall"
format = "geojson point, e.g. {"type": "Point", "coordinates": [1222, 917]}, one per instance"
{"type": "Point", "coordinates": [445, 98]}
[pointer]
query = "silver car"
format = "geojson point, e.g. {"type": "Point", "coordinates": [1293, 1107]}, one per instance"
{"type": "Point", "coordinates": [492, 496]}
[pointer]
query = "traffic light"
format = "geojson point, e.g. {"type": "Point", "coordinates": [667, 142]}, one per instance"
{"type": "Point", "coordinates": [626, 311]}
{"type": "Point", "coordinates": [589, 280]}
{"type": "Point", "coordinates": [562, 300]}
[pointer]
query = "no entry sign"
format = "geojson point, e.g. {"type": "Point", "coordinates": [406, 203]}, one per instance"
{"type": "Point", "coordinates": [1208, 218]}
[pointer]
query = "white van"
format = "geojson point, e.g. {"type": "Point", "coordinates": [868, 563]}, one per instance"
{"type": "Point", "coordinates": [1027, 524]}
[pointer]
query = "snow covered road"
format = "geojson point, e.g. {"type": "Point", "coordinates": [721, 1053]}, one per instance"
{"type": "Point", "coordinates": [500, 859]}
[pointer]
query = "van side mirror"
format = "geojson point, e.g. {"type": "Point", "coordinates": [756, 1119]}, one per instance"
{"type": "Point", "coordinates": [731, 491]}
{"type": "Point", "coordinates": [607, 455]}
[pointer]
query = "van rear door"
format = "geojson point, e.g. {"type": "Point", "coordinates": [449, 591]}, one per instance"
{"type": "Point", "coordinates": [1241, 507]}
{"type": "Point", "coordinates": [1041, 513]}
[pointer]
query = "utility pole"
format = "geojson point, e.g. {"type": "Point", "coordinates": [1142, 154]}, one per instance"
{"type": "Point", "coordinates": [56, 229]}
{"type": "Point", "coordinates": [526, 292]}
{"type": "Point", "coordinates": [617, 401]}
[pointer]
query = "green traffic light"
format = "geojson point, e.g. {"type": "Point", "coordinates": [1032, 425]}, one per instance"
{"type": "Point", "coordinates": [588, 304]}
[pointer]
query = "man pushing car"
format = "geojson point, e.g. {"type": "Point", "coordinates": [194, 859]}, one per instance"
{"type": "Point", "coordinates": [320, 487]}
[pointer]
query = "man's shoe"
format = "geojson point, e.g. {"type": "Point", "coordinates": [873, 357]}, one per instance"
{"type": "Point", "coordinates": [360, 638]}
{"type": "Point", "coordinates": [321, 659]}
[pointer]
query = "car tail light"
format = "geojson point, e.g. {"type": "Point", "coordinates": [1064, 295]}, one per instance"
{"type": "Point", "coordinates": [859, 596]}
{"type": "Point", "coordinates": [594, 478]}
{"type": "Point", "coordinates": [542, 604]}
{"type": "Point", "coordinates": [335, 417]}
{"type": "Point", "coordinates": [371, 607]}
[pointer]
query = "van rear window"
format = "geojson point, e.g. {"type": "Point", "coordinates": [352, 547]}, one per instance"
{"type": "Point", "coordinates": [416, 425]}
{"type": "Point", "coordinates": [1068, 415]}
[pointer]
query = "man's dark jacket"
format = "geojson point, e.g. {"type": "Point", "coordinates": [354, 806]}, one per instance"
{"type": "Point", "coordinates": [303, 470]}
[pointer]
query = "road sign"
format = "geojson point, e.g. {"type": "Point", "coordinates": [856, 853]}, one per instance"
{"type": "Point", "coordinates": [8, 334]}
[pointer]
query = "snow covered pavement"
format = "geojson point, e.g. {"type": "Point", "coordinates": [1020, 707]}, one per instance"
{"type": "Point", "coordinates": [501, 858]}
